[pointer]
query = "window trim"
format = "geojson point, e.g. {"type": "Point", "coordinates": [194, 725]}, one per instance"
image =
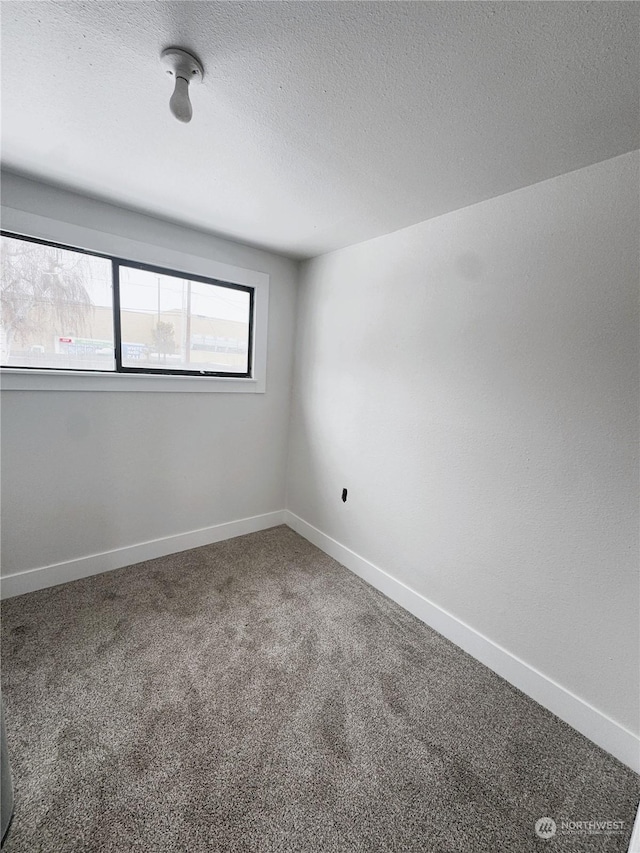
{"type": "Point", "coordinates": [109, 245]}
{"type": "Point", "coordinates": [116, 265]}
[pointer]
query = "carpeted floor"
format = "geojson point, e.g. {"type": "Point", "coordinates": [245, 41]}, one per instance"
{"type": "Point", "coordinates": [254, 695]}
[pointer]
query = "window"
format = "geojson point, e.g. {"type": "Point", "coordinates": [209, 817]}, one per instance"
{"type": "Point", "coordinates": [68, 309]}
{"type": "Point", "coordinates": [55, 304]}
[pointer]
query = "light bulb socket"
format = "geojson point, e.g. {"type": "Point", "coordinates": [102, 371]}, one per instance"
{"type": "Point", "coordinates": [183, 68]}
{"type": "Point", "coordinates": [179, 63]}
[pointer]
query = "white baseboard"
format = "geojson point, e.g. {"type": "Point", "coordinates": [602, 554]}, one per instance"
{"type": "Point", "coordinates": [71, 570]}
{"type": "Point", "coordinates": [595, 725]}
{"type": "Point", "coordinates": [634, 844]}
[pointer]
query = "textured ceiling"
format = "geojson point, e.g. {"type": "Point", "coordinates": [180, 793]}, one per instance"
{"type": "Point", "coordinates": [318, 124]}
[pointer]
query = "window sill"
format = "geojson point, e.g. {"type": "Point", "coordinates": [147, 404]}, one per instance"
{"type": "Point", "coordinates": [14, 379]}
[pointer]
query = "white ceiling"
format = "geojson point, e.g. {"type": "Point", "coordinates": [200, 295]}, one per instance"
{"type": "Point", "coordinates": [318, 124]}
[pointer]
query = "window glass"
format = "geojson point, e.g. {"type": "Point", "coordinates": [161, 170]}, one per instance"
{"type": "Point", "coordinates": [60, 310]}
{"type": "Point", "coordinates": [180, 324]}
{"type": "Point", "coordinates": [56, 308]}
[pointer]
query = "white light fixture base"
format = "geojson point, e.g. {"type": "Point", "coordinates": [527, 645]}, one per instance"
{"type": "Point", "coordinates": [184, 69]}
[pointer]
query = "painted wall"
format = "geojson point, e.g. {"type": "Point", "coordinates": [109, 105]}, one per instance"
{"type": "Point", "coordinates": [473, 382]}
{"type": "Point", "coordinates": [87, 472]}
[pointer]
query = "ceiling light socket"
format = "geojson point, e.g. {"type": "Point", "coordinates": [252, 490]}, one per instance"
{"type": "Point", "coordinates": [184, 69]}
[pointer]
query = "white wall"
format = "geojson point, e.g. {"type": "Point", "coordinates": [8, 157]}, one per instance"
{"type": "Point", "coordinates": [88, 472]}
{"type": "Point", "coordinates": [473, 382]}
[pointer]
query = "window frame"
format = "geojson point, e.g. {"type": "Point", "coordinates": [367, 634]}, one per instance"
{"type": "Point", "coordinates": [159, 243]}
{"type": "Point", "coordinates": [122, 370]}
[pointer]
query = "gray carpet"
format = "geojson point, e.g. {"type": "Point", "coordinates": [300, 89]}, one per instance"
{"type": "Point", "coordinates": [254, 695]}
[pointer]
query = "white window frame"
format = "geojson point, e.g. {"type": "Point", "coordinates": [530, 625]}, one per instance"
{"type": "Point", "coordinates": [28, 224]}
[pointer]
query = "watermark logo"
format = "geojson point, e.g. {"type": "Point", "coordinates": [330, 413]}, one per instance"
{"type": "Point", "coordinates": [546, 827]}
